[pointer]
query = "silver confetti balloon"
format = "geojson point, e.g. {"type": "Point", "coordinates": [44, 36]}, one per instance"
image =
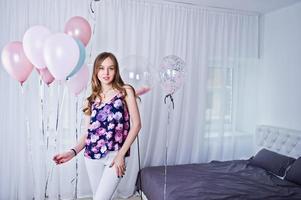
{"type": "Point", "coordinates": [171, 74]}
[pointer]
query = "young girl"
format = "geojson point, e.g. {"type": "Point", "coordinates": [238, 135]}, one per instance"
{"type": "Point", "coordinates": [112, 121]}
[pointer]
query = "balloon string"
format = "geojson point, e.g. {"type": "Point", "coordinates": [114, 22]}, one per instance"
{"type": "Point", "coordinates": [139, 165]}
{"type": "Point", "coordinates": [76, 136]}
{"type": "Point", "coordinates": [93, 15]}
{"type": "Point", "coordinates": [29, 141]}
{"type": "Point", "coordinates": [47, 120]}
{"type": "Point", "coordinates": [47, 181]}
{"type": "Point", "coordinates": [76, 160]}
{"type": "Point", "coordinates": [42, 109]}
{"type": "Point", "coordinates": [59, 112]}
{"type": "Point", "coordinates": [91, 7]}
{"type": "Point", "coordinates": [45, 135]}
{"type": "Point", "coordinates": [166, 139]}
{"type": "Point", "coordinates": [45, 140]}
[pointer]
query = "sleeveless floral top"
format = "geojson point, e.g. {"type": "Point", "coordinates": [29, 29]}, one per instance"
{"type": "Point", "coordinates": [109, 127]}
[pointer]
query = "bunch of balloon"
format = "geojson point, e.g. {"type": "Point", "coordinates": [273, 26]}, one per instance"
{"type": "Point", "coordinates": [58, 56]}
{"type": "Point", "coordinates": [172, 76]}
{"type": "Point", "coordinates": [136, 71]}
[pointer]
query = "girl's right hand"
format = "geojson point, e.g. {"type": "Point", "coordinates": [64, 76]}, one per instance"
{"type": "Point", "coordinates": [63, 157]}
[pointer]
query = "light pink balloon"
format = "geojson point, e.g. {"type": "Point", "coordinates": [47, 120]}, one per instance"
{"type": "Point", "coordinates": [79, 28]}
{"type": "Point", "coordinates": [79, 81]}
{"type": "Point", "coordinates": [33, 42]}
{"type": "Point", "coordinates": [46, 75]}
{"type": "Point", "coordinates": [15, 62]}
{"type": "Point", "coordinates": [61, 54]}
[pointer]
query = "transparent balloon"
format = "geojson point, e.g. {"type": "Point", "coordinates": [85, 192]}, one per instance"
{"type": "Point", "coordinates": [171, 73]}
{"type": "Point", "coordinates": [136, 71]}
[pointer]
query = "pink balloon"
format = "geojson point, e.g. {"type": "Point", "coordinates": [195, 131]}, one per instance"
{"type": "Point", "coordinates": [142, 90]}
{"type": "Point", "coordinates": [79, 28]}
{"type": "Point", "coordinates": [61, 54]}
{"type": "Point", "coordinates": [46, 75]}
{"type": "Point", "coordinates": [33, 42]}
{"type": "Point", "coordinates": [15, 62]}
{"type": "Point", "coordinates": [79, 81]}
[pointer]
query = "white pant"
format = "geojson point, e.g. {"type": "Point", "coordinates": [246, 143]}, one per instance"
{"type": "Point", "coordinates": [103, 179]}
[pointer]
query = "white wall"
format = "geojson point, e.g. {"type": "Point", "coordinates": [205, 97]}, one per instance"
{"type": "Point", "coordinates": [279, 85]}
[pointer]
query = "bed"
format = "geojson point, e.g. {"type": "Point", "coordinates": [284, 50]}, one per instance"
{"type": "Point", "coordinates": [255, 178]}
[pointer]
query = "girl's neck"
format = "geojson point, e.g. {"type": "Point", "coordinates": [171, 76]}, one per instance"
{"type": "Point", "coordinates": [107, 87]}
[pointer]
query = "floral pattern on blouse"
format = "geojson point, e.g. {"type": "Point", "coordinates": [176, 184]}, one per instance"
{"type": "Point", "coordinates": [109, 127]}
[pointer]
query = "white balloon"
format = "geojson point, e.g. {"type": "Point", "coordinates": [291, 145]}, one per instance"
{"type": "Point", "coordinates": [33, 44]}
{"type": "Point", "coordinates": [61, 54]}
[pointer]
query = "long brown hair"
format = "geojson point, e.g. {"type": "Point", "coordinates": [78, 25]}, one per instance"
{"type": "Point", "coordinates": [96, 86]}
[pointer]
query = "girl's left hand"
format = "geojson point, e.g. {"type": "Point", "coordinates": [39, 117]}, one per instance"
{"type": "Point", "coordinates": [119, 164]}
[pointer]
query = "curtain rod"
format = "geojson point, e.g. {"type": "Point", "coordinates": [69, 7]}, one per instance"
{"type": "Point", "coordinates": [204, 6]}
{"type": "Point", "coordinates": [214, 7]}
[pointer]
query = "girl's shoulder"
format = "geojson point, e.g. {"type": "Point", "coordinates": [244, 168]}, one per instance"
{"type": "Point", "coordinates": [128, 88]}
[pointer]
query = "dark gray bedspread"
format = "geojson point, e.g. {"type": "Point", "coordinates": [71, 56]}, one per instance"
{"type": "Point", "coordinates": [216, 180]}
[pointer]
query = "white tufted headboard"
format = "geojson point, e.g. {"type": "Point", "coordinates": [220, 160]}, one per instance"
{"type": "Point", "coordinates": [281, 140]}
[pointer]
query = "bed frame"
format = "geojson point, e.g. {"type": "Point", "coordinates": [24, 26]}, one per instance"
{"type": "Point", "coordinates": [281, 140]}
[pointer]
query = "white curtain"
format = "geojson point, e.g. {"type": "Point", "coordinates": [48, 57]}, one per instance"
{"type": "Point", "coordinates": [212, 118]}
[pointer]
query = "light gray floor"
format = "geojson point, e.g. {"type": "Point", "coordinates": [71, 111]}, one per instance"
{"type": "Point", "coordinates": [132, 198]}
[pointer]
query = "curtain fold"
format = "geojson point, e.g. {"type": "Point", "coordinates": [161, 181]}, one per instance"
{"type": "Point", "coordinates": [212, 118]}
